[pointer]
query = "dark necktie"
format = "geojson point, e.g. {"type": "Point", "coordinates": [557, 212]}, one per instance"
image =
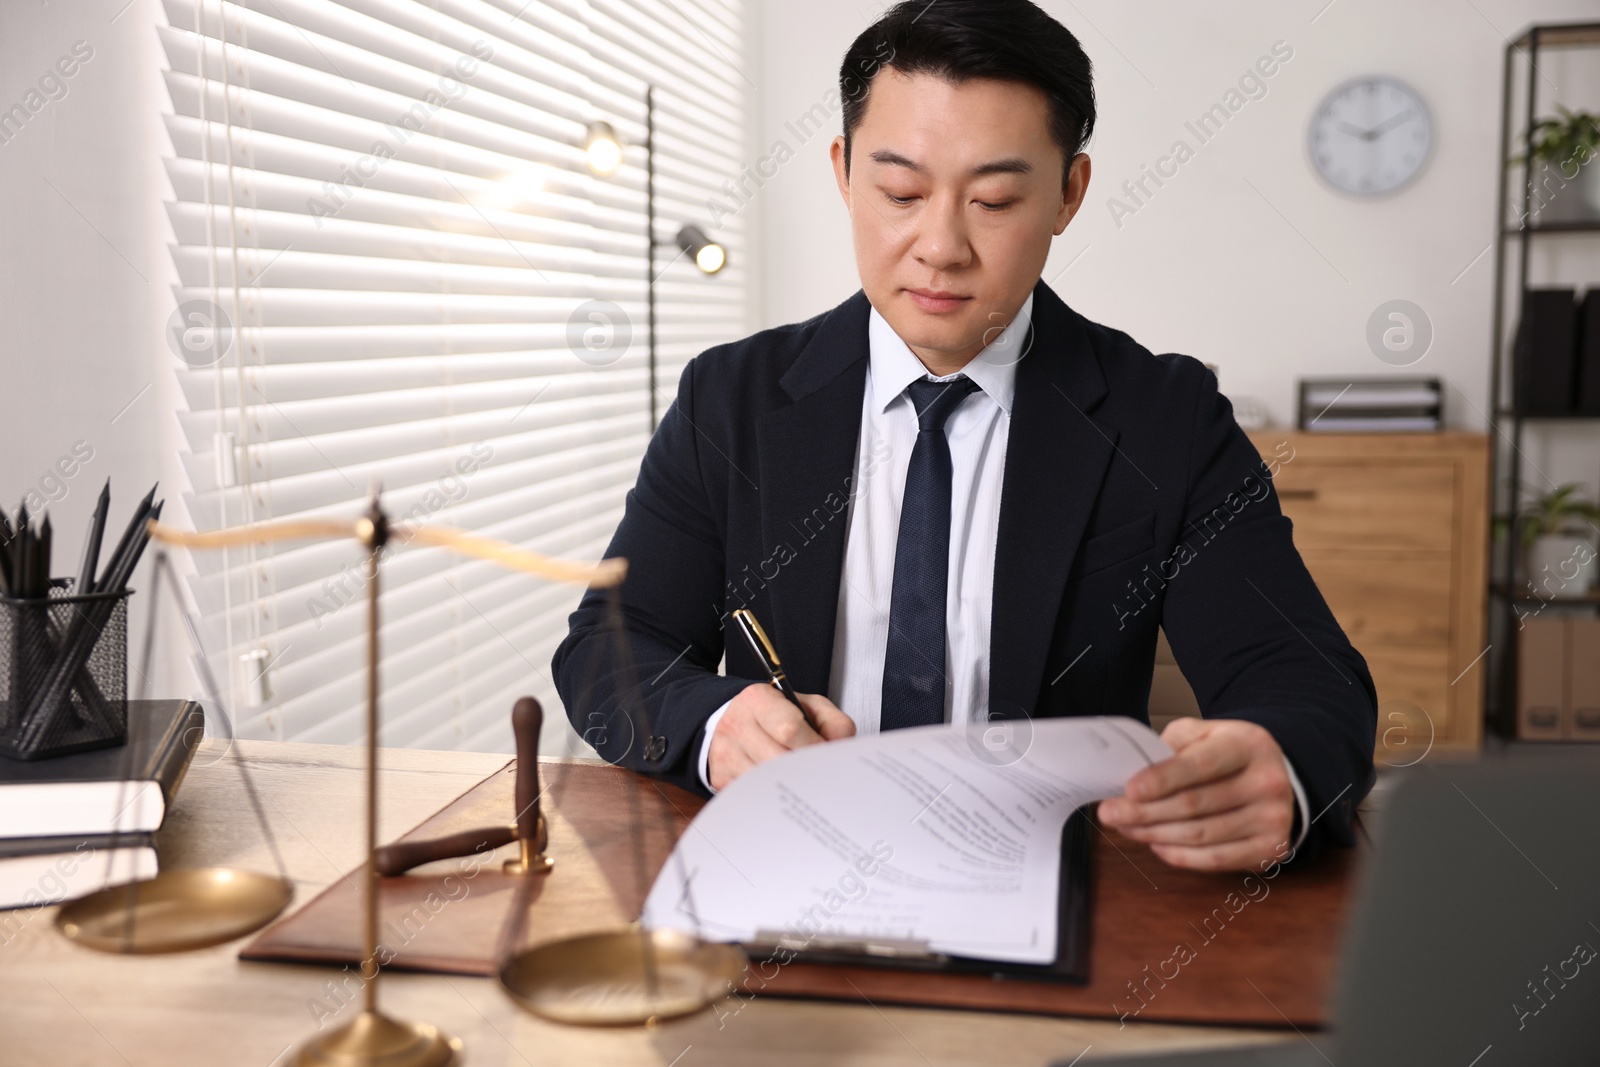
{"type": "Point", "coordinates": [913, 666]}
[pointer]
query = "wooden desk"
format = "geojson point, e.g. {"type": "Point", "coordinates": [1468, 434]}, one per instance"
{"type": "Point", "coordinates": [64, 1006]}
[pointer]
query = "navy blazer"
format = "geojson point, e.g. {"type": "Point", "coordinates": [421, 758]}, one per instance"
{"type": "Point", "coordinates": [1131, 500]}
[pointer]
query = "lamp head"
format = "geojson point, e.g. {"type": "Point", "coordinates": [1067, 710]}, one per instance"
{"type": "Point", "coordinates": [709, 256]}
{"type": "Point", "coordinates": [603, 148]}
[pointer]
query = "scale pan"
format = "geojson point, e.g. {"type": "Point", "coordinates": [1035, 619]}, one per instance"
{"type": "Point", "coordinates": [175, 911]}
{"type": "Point", "coordinates": [599, 979]}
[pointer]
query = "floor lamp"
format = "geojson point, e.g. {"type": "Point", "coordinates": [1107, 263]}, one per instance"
{"type": "Point", "coordinates": [603, 149]}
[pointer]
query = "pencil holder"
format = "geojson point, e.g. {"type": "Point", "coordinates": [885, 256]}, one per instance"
{"type": "Point", "coordinates": [63, 672]}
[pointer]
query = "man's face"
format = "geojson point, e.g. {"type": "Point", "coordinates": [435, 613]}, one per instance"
{"type": "Point", "coordinates": [954, 193]}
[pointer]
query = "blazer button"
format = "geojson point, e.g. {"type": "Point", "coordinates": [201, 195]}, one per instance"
{"type": "Point", "coordinates": [655, 748]}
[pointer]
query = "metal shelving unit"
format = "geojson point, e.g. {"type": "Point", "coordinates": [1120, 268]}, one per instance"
{"type": "Point", "coordinates": [1507, 590]}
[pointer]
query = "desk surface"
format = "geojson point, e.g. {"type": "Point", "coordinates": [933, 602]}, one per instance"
{"type": "Point", "coordinates": [65, 1005]}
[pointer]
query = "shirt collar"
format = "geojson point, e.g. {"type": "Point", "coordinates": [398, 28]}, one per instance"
{"type": "Point", "coordinates": [894, 366]}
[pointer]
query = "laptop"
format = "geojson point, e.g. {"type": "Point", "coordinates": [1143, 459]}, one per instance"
{"type": "Point", "coordinates": [1476, 933]}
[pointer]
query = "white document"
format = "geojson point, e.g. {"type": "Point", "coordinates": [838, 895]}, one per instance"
{"type": "Point", "coordinates": [935, 834]}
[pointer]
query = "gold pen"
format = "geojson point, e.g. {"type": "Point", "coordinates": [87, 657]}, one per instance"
{"type": "Point", "coordinates": [761, 645]}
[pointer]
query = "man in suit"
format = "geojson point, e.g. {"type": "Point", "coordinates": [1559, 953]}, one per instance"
{"type": "Point", "coordinates": [952, 498]}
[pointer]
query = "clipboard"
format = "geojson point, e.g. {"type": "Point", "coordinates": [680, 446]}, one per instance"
{"type": "Point", "coordinates": [1287, 943]}
{"type": "Point", "coordinates": [1071, 964]}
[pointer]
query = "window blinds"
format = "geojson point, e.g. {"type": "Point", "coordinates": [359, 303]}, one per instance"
{"type": "Point", "coordinates": [387, 243]}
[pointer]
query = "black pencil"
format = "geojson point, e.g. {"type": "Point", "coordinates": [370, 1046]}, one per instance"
{"type": "Point", "coordinates": [20, 561]}
{"type": "Point", "coordinates": [6, 538]}
{"type": "Point", "coordinates": [91, 543]}
{"type": "Point", "coordinates": [135, 525]}
{"type": "Point", "coordinates": [41, 562]}
{"type": "Point", "coordinates": [22, 566]}
{"type": "Point", "coordinates": [139, 546]}
{"type": "Point", "coordinates": [117, 579]}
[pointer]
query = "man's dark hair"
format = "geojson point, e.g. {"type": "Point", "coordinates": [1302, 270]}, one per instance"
{"type": "Point", "coordinates": [957, 40]}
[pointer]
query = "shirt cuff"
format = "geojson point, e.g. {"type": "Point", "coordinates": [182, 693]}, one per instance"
{"type": "Point", "coordinates": [711, 728]}
{"type": "Point", "coordinates": [1301, 805]}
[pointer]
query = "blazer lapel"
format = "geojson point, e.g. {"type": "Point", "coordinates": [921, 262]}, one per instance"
{"type": "Point", "coordinates": [806, 462]}
{"type": "Point", "coordinates": [1056, 459]}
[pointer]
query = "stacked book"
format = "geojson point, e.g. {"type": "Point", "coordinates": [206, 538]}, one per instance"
{"type": "Point", "coordinates": [75, 824]}
{"type": "Point", "coordinates": [1373, 405]}
{"type": "Point", "coordinates": [1556, 369]}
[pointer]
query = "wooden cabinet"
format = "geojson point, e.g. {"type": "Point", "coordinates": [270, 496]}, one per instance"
{"type": "Point", "coordinates": [1394, 528]}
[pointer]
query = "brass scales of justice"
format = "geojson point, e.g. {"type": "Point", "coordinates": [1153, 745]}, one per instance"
{"type": "Point", "coordinates": [621, 976]}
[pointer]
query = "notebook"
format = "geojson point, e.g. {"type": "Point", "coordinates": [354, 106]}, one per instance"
{"type": "Point", "coordinates": [126, 789]}
{"type": "Point", "coordinates": [48, 870]}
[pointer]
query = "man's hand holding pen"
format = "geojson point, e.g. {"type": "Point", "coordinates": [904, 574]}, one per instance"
{"type": "Point", "coordinates": [761, 723]}
{"type": "Point", "coordinates": [764, 721]}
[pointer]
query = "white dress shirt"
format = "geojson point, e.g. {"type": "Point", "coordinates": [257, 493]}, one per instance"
{"type": "Point", "coordinates": [977, 430]}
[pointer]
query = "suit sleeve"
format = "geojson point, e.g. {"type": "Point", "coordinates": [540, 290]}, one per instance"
{"type": "Point", "coordinates": [650, 714]}
{"type": "Point", "coordinates": [1250, 630]}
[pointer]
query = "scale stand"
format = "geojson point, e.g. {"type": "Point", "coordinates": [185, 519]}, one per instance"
{"type": "Point", "coordinates": [373, 1037]}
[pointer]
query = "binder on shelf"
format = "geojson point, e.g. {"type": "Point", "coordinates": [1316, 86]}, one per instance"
{"type": "Point", "coordinates": [1589, 353]}
{"type": "Point", "coordinates": [1545, 354]}
{"type": "Point", "coordinates": [1541, 678]}
{"type": "Point", "coordinates": [1582, 721]}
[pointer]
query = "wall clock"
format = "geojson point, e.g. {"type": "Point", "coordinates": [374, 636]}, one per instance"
{"type": "Point", "coordinates": [1370, 136]}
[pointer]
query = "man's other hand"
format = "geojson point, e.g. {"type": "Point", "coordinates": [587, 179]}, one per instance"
{"type": "Point", "coordinates": [1222, 802]}
{"type": "Point", "coordinates": [760, 724]}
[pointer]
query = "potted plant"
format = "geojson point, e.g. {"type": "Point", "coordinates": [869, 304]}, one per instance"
{"type": "Point", "coordinates": [1566, 180]}
{"type": "Point", "coordinates": [1558, 541]}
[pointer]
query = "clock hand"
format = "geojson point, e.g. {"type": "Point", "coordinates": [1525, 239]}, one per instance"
{"type": "Point", "coordinates": [1383, 127]}
{"type": "Point", "coordinates": [1354, 130]}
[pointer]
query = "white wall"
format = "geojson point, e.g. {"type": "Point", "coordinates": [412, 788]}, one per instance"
{"type": "Point", "coordinates": [1270, 285]}
{"type": "Point", "coordinates": [85, 280]}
